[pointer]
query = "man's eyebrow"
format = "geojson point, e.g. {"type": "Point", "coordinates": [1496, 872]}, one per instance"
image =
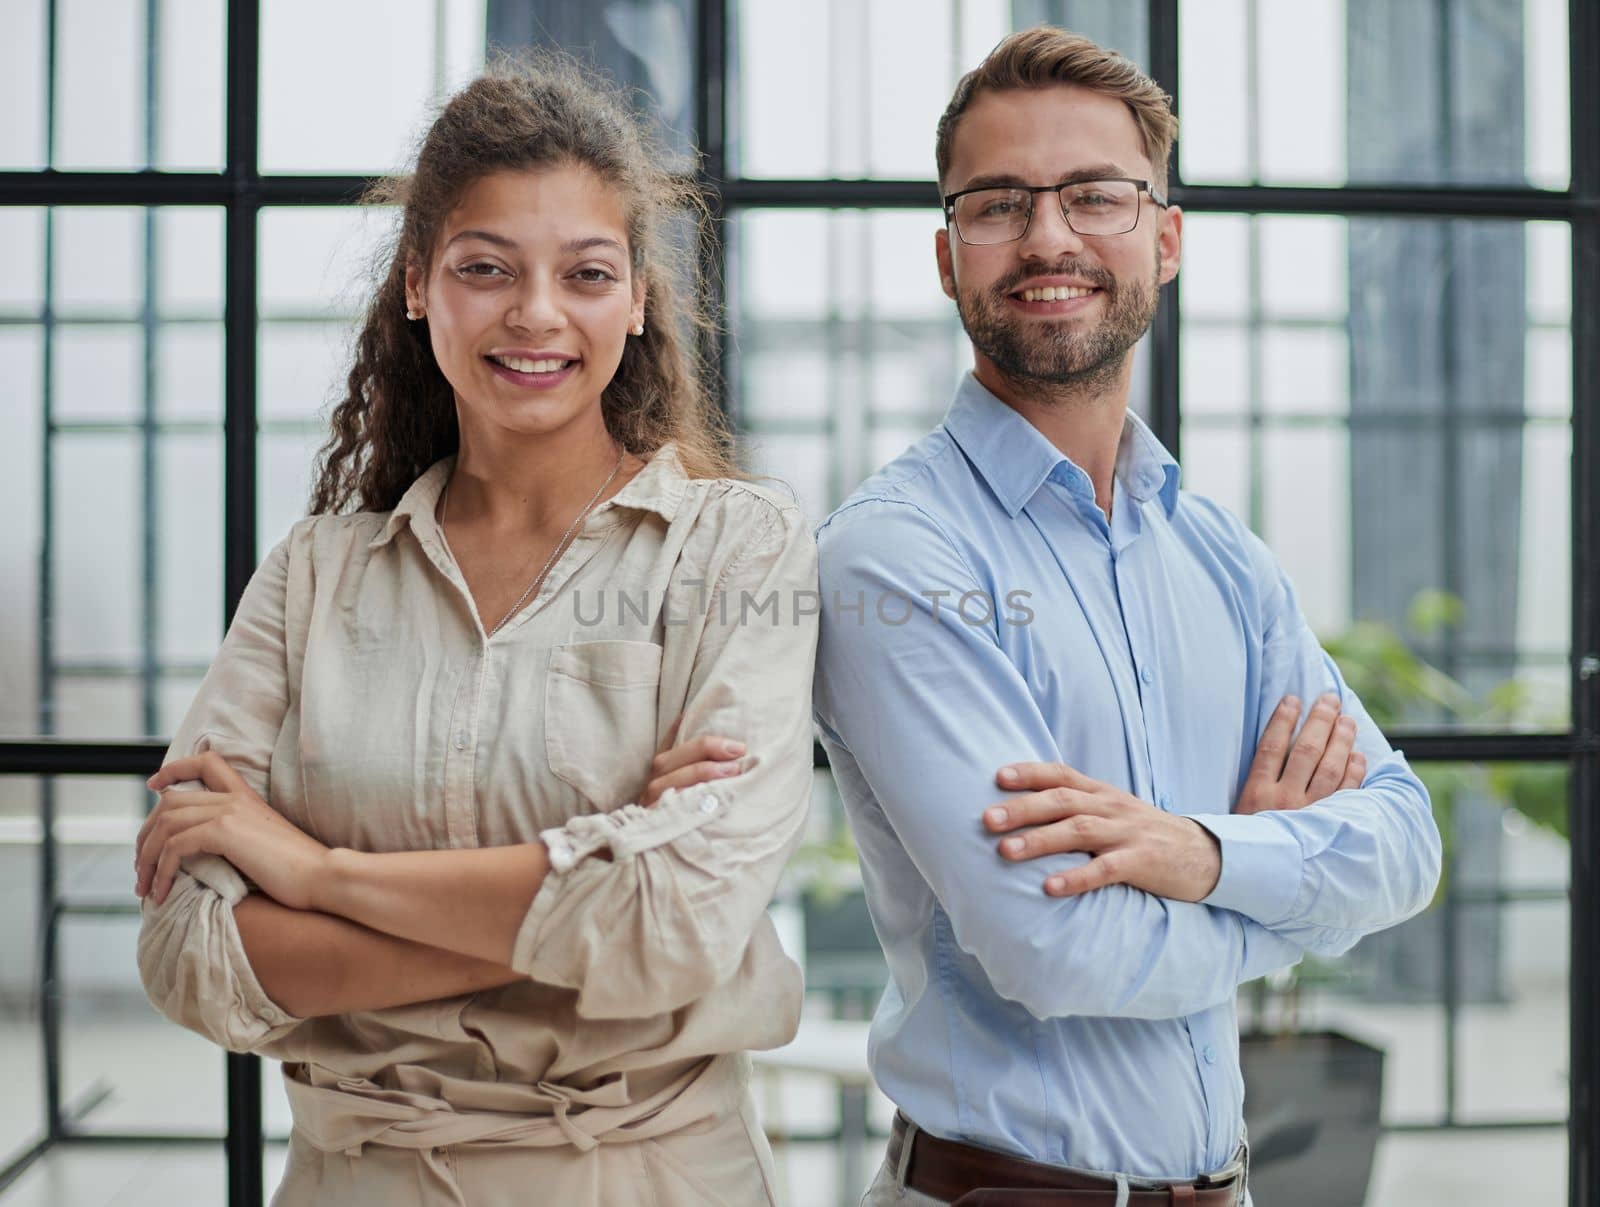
{"type": "Point", "coordinates": [1009, 180]}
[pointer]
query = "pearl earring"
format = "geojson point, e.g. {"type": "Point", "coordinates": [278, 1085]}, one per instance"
{"type": "Point", "coordinates": [413, 315]}
{"type": "Point", "coordinates": [638, 329]}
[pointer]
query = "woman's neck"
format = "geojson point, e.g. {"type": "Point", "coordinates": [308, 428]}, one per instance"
{"type": "Point", "coordinates": [520, 484]}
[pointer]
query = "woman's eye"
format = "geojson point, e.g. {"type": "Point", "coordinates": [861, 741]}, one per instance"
{"type": "Point", "coordinates": [594, 276]}
{"type": "Point", "coordinates": [474, 269]}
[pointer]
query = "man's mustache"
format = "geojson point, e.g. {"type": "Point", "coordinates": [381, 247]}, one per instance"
{"type": "Point", "coordinates": [1097, 277]}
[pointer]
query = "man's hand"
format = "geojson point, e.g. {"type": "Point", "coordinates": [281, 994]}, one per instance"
{"type": "Point", "coordinates": [1322, 762]}
{"type": "Point", "coordinates": [1168, 854]}
{"type": "Point", "coordinates": [1130, 842]}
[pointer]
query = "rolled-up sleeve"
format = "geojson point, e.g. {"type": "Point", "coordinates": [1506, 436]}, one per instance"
{"type": "Point", "coordinates": [645, 910]}
{"type": "Point", "coordinates": [191, 958]}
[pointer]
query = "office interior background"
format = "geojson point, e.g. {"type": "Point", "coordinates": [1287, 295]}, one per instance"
{"type": "Point", "coordinates": [1382, 352]}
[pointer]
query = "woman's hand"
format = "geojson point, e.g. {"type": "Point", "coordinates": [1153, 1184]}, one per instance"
{"type": "Point", "coordinates": [696, 761]}
{"type": "Point", "coordinates": [227, 819]}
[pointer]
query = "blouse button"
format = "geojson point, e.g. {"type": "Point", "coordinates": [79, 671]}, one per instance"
{"type": "Point", "coordinates": [708, 803]}
{"type": "Point", "coordinates": [461, 740]}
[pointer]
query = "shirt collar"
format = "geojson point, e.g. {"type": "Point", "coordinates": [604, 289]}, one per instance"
{"type": "Point", "coordinates": [658, 487]}
{"type": "Point", "coordinates": [1015, 458]}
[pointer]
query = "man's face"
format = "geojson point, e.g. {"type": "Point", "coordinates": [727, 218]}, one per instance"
{"type": "Point", "coordinates": [1045, 136]}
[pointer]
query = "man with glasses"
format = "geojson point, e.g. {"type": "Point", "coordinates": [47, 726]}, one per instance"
{"type": "Point", "coordinates": [1058, 695]}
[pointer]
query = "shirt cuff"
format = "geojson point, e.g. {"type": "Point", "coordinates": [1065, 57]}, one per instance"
{"type": "Point", "coordinates": [624, 832]}
{"type": "Point", "coordinates": [1262, 866]}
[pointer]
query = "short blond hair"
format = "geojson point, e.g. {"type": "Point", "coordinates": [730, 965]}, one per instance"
{"type": "Point", "coordinates": [1045, 55]}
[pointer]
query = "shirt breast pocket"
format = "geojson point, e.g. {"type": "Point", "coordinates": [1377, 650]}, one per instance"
{"type": "Point", "coordinates": [600, 718]}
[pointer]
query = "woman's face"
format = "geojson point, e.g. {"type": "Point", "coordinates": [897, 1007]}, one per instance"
{"type": "Point", "coordinates": [530, 298]}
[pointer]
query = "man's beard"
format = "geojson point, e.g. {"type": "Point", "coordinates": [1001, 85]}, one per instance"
{"type": "Point", "coordinates": [1059, 352]}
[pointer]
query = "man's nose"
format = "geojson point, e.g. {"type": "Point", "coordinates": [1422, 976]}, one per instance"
{"type": "Point", "coordinates": [1048, 236]}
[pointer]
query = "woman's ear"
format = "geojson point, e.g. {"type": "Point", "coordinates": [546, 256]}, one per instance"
{"type": "Point", "coordinates": [415, 302]}
{"type": "Point", "coordinates": [636, 311]}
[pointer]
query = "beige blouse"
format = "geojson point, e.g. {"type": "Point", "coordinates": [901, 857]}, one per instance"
{"type": "Point", "coordinates": [358, 695]}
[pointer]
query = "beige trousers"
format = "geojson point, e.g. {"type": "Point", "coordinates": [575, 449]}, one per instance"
{"type": "Point", "coordinates": [719, 1162]}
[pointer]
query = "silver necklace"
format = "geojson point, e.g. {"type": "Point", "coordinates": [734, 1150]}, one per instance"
{"type": "Point", "coordinates": [444, 502]}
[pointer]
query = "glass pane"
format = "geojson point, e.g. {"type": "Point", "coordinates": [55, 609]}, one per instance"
{"type": "Point", "coordinates": [1499, 928]}
{"type": "Point", "coordinates": [21, 1047]}
{"type": "Point", "coordinates": [22, 244]}
{"type": "Point", "coordinates": [319, 268]}
{"type": "Point", "coordinates": [117, 105]}
{"type": "Point", "coordinates": [845, 350]}
{"type": "Point", "coordinates": [101, 88]}
{"type": "Point", "coordinates": [191, 90]}
{"type": "Point", "coordinates": [148, 1074]}
{"type": "Point", "coordinates": [129, 371]}
{"type": "Point", "coordinates": [1396, 92]}
{"type": "Point", "coordinates": [646, 48]}
{"type": "Point", "coordinates": [379, 75]}
{"type": "Point", "coordinates": [868, 114]}
{"type": "Point", "coordinates": [22, 86]}
{"type": "Point", "coordinates": [1402, 446]}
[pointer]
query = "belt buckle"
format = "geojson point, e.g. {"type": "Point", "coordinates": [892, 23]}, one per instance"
{"type": "Point", "coordinates": [1238, 1168]}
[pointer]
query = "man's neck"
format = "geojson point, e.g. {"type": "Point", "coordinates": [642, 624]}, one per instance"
{"type": "Point", "coordinates": [1082, 419]}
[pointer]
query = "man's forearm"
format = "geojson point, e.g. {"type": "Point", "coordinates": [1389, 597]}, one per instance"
{"type": "Point", "coordinates": [313, 964]}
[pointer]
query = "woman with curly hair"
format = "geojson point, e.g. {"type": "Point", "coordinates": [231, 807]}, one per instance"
{"type": "Point", "coordinates": [475, 818]}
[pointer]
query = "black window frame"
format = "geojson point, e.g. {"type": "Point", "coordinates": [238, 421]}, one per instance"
{"type": "Point", "coordinates": [242, 191]}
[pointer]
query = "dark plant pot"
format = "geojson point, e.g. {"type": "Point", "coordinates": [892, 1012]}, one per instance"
{"type": "Point", "coordinates": [1311, 1102]}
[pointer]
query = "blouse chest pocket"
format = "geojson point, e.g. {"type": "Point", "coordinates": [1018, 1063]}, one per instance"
{"type": "Point", "coordinates": [600, 718]}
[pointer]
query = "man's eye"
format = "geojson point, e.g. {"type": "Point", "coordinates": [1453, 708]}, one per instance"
{"type": "Point", "coordinates": [999, 209]}
{"type": "Point", "coordinates": [1092, 199]}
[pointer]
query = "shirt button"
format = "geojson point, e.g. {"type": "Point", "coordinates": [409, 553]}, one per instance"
{"type": "Point", "coordinates": [1210, 1054]}
{"type": "Point", "coordinates": [461, 740]}
{"type": "Point", "coordinates": [1147, 675]}
{"type": "Point", "coordinates": [708, 803]}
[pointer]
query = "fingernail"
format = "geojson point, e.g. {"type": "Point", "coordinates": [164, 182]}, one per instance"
{"type": "Point", "coordinates": [997, 817]}
{"type": "Point", "coordinates": [729, 769]}
{"type": "Point", "coordinates": [1008, 775]}
{"type": "Point", "coordinates": [733, 747]}
{"type": "Point", "coordinates": [1291, 702]}
{"type": "Point", "coordinates": [1328, 698]}
{"type": "Point", "coordinates": [1054, 885]}
{"type": "Point", "coordinates": [1011, 846]}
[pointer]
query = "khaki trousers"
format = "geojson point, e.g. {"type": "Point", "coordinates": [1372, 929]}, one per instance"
{"type": "Point", "coordinates": [719, 1162]}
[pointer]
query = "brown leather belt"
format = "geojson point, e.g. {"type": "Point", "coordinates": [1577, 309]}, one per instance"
{"type": "Point", "coordinates": [971, 1176]}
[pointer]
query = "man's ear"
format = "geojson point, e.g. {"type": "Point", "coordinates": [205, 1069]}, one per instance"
{"type": "Point", "coordinates": [947, 267]}
{"type": "Point", "coordinates": [1170, 242]}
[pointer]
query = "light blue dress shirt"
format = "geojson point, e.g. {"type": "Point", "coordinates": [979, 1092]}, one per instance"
{"type": "Point", "coordinates": [1097, 1031]}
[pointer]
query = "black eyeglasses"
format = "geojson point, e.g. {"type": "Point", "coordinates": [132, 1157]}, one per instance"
{"type": "Point", "coordinates": [1091, 207]}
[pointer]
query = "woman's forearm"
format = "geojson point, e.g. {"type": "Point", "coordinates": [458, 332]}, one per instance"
{"type": "Point", "coordinates": [470, 900]}
{"type": "Point", "coordinates": [313, 964]}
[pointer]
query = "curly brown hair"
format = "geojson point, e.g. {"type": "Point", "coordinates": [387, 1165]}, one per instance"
{"type": "Point", "coordinates": [531, 110]}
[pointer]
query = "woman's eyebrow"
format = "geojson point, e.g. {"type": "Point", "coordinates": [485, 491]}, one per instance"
{"type": "Point", "coordinates": [570, 247]}
{"type": "Point", "coordinates": [573, 246]}
{"type": "Point", "coordinates": [486, 236]}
